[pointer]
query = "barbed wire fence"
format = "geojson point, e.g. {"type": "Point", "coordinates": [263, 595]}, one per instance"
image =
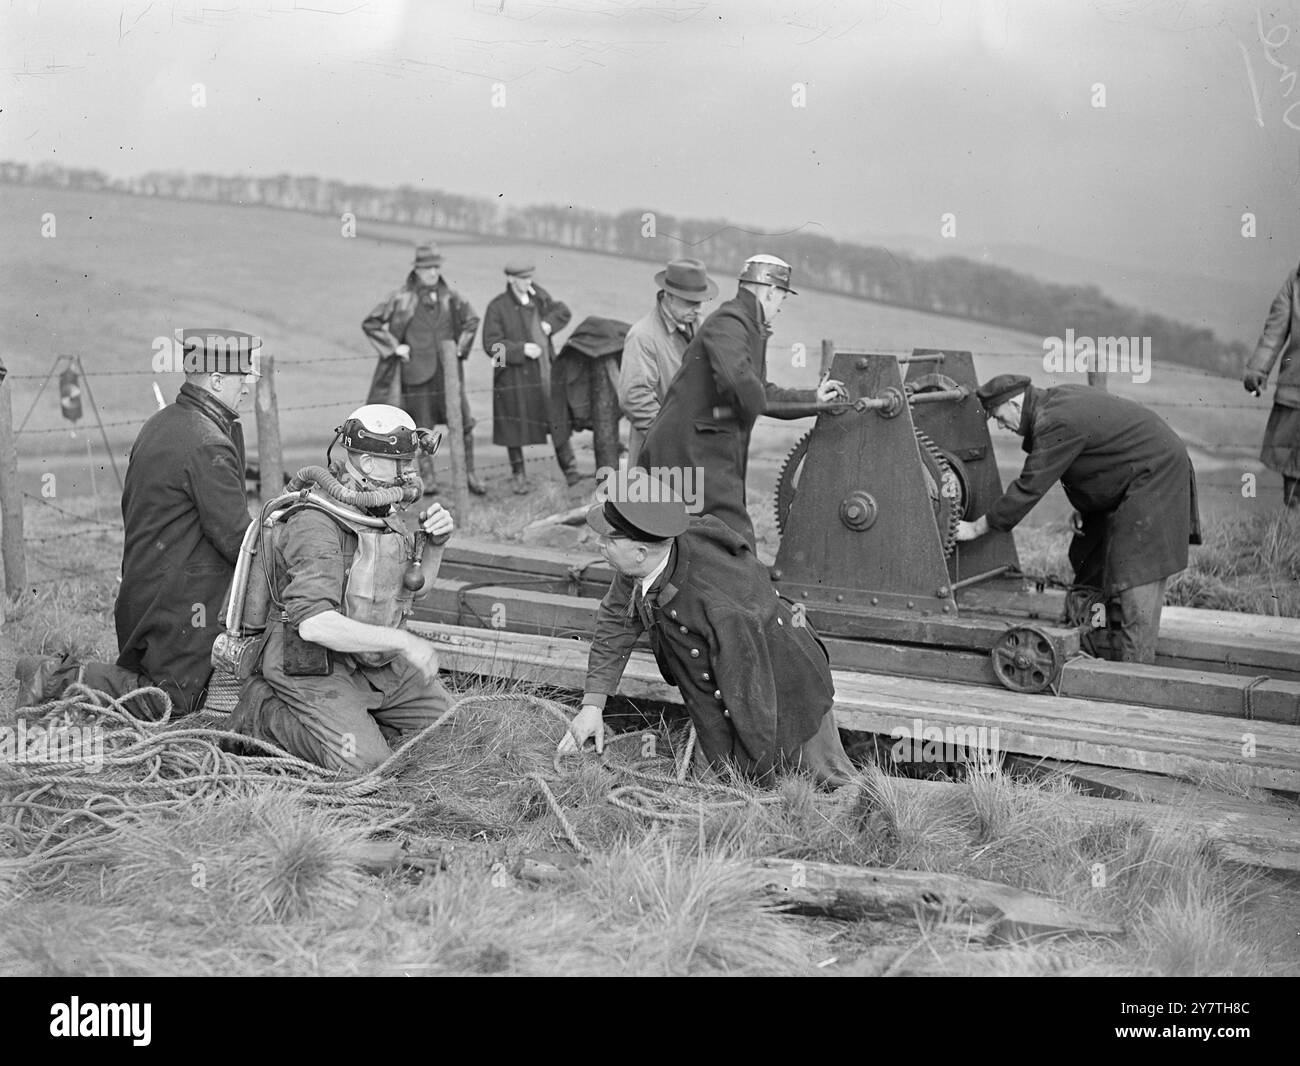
{"type": "Point", "coordinates": [84, 526]}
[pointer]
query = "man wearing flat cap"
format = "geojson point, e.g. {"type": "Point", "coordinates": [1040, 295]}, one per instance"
{"type": "Point", "coordinates": [517, 330]}
{"type": "Point", "coordinates": [710, 407]}
{"type": "Point", "coordinates": [409, 330]}
{"type": "Point", "coordinates": [1127, 474]}
{"type": "Point", "coordinates": [184, 511]}
{"type": "Point", "coordinates": [653, 350]}
{"type": "Point", "coordinates": [755, 682]}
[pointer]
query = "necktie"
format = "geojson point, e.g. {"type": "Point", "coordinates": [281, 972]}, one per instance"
{"type": "Point", "coordinates": [642, 607]}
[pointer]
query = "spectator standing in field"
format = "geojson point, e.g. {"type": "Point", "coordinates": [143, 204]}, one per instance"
{"type": "Point", "coordinates": [408, 329]}
{"type": "Point", "coordinates": [184, 512]}
{"type": "Point", "coordinates": [709, 411]}
{"type": "Point", "coordinates": [1126, 473]}
{"type": "Point", "coordinates": [652, 353]}
{"type": "Point", "coordinates": [584, 387]}
{"type": "Point", "coordinates": [1280, 344]}
{"type": "Point", "coordinates": [517, 330]}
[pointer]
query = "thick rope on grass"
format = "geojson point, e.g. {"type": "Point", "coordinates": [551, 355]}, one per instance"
{"type": "Point", "coordinates": [57, 815]}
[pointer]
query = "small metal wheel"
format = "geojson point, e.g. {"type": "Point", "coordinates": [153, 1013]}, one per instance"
{"type": "Point", "coordinates": [1025, 659]}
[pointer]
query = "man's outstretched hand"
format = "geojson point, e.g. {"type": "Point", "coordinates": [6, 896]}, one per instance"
{"type": "Point", "coordinates": [587, 724]}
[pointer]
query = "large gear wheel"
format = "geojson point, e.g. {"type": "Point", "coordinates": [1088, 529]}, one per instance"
{"type": "Point", "coordinates": [943, 484]}
{"type": "Point", "coordinates": [787, 482]}
{"type": "Point", "coordinates": [946, 491]}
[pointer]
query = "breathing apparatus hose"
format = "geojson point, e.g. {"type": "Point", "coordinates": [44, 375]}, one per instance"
{"type": "Point", "coordinates": [408, 492]}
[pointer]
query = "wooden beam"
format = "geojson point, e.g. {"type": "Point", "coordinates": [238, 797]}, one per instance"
{"type": "Point", "coordinates": [12, 553]}
{"type": "Point", "coordinates": [859, 892]}
{"type": "Point", "coordinates": [550, 612]}
{"type": "Point", "coordinates": [1212, 641]}
{"type": "Point", "coordinates": [1107, 734]}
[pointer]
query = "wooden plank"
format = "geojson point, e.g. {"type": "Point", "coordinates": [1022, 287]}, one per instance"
{"type": "Point", "coordinates": [1199, 691]}
{"type": "Point", "coordinates": [530, 611]}
{"type": "Point", "coordinates": [1110, 782]}
{"type": "Point", "coordinates": [1189, 639]}
{"type": "Point", "coordinates": [1139, 738]}
{"type": "Point", "coordinates": [859, 892]}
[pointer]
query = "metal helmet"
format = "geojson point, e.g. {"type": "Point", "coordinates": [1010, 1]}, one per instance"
{"type": "Point", "coordinates": [768, 270]}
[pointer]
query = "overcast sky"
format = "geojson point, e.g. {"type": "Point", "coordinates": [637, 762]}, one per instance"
{"type": "Point", "coordinates": [913, 109]}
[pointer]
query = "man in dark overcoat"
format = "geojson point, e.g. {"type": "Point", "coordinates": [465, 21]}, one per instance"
{"type": "Point", "coordinates": [184, 512]}
{"type": "Point", "coordinates": [754, 677]}
{"type": "Point", "coordinates": [1125, 472]}
{"type": "Point", "coordinates": [517, 330]}
{"type": "Point", "coordinates": [410, 330]}
{"type": "Point", "coordinates": [725, 367]}
{"type": "Point", "coordinates": [1279, 345]}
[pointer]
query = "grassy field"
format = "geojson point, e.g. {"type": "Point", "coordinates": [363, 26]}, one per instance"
{"type": "Point", "coordinates": [282, 893]}
{"type": "Point", "coordinates": [123, 271]}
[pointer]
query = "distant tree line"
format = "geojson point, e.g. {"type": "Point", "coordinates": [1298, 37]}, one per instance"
{"type": "Point", "coordinates": [951, 285]}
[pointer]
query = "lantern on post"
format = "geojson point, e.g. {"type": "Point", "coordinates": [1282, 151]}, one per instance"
{"type": "Point", "coordinates": [70, 394]}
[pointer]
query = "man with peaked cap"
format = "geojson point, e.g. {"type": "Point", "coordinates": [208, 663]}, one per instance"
{"type": "Point", "coordinates": [184, 512]}
{"type": "Point", "coordinates": [653, 350]}
{"type": "Point", "coordinates": [756, 682]}
{"type": "Point", "coordinates": [724, 370]}
{"type": "Point", "coordinates": [1127, 474]}
{"type": "Point", "coordinates": [408, 330]}
{"type": "Point", "coordinates": [517, 330]}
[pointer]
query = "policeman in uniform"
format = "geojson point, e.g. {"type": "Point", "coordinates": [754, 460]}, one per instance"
{"type": "Point", "coordinates": [756, 683]}
{"type": "Point", "coordinates": [339, 677]}
{"type": "Point", "coordinates": [184, 512]}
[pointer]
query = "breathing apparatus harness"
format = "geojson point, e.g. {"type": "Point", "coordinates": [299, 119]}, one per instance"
{"type": "Point", "coordinates": [253, 601]}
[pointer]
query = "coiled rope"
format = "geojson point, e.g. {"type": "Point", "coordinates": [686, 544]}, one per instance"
{"type": "Point", "coordinates": [60, 815]}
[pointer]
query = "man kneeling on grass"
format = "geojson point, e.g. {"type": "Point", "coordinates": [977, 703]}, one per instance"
{"type": "Point", "coordinates": [339, 678]}
{"type": "Point", "coordinates": [756, 683]}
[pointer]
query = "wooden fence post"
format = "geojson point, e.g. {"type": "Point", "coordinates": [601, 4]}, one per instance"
{"type": "Point", "coordinates": [11, 504]}
{"type": "Point", "coordinates": [456, 431]}
{"type": "Point", "coordinates": [270, 454]}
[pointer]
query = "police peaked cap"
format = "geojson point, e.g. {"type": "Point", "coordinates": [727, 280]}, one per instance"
{"type": "Point", "coordinates": [652, 511]}
{"type": "Point", "coordinates": [218, 351]}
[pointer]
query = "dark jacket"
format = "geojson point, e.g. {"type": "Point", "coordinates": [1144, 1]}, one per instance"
{"type": "Point", "coordinates": [519, 407]}
{"type": "Point", "coordinates": [756, 685]}
{"type": "Point", "coordinates": [584, 386]}
{"type": "Point", "coordinates": [386, 326]}
{"type": "Point", "coordinates": [1123, 469]}
{"type": "Point", "coordinates": [185, 512]}
{"type": "Point", "coordinates": [724, 366]}
{"type": "Point", "coordinates": [1281, 339]}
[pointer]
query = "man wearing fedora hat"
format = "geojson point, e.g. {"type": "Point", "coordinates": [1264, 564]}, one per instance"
{"type": "Point", "coordinates": [184, 512]}
{"type": "Point", "coordinates": [653, 350]}
{"type": "Point", "coordinates": [711, 406]}
{"type": "Point", "coordinates": [518, 327]}
{"type": "Point", "coordinates": [408, 330]}
{"type": "Point", "coordinates": [754, 677]}
{"type": "Point", "coordinates": [1127, 474]}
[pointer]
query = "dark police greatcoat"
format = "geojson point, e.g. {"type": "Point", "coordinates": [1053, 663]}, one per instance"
{"type": "Point", "coordinates": [185, 513]}
{"type": "Point", "coordinates": [724, 366]}
{"type": "Point", "coordinates": [519, 407]}
{"type": "Point", "coordinates": [756, 684]}
{"type": "Point", "coordinates": [1123, 469]}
